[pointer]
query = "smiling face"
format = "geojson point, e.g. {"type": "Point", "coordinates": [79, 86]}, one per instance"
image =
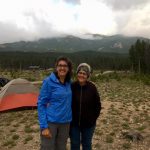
{"type": "Point", "coordinates": [62, 69]}
{"type": "Point", "coordinates": [82, 77]}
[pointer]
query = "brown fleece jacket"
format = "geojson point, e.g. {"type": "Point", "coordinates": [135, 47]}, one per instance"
{"type": "Point", "coordinates": [86, 105]}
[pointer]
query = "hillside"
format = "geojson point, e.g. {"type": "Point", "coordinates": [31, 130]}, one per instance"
{"type": "Point", "coordinates": [115, 44]}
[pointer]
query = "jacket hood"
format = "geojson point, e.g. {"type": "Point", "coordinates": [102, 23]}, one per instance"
{"type": "Point", "coordinates": [53, 77]}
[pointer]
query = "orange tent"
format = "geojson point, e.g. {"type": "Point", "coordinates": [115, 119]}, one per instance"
{"type": "Point", "coordinates": [18, 93]}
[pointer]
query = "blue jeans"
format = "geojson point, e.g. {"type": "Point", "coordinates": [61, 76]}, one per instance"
{"type": "Point", "coordinates": [81, 135]}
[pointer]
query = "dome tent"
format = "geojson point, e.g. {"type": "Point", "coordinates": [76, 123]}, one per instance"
{"type": "Point", "coordinates": [18, 93]}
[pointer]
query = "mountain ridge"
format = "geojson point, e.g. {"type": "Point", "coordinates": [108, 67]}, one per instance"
{"type": "Point", "coordinates": [93, 42]}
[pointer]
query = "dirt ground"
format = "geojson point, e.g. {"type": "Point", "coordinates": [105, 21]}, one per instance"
{"type": "Point", "coordinates": [125, 109]}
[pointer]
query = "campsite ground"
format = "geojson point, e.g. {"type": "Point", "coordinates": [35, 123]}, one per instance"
{"type": "Point", "coordinates": [126, 109]}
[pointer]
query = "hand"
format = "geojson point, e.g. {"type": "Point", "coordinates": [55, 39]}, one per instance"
{"type": "Point", "coordinates": [46, 132]}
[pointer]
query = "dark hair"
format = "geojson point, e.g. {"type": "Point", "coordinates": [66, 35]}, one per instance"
{"type": "Point", "coordinates": [69, 63]}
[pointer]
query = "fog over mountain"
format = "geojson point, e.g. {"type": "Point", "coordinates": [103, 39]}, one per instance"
{"type": "Point", "coordinates": [29, 20]}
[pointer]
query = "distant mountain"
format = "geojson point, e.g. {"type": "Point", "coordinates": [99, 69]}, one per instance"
{"type": "Point", "coordinates": [88, 42]}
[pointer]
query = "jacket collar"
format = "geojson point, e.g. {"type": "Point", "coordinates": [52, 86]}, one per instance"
{"type": "Point", "coordinates": [82, 85]}
{"type": "Point", "coordinates": [54, 78]}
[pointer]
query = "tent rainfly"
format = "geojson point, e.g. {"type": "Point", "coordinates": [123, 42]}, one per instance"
{"type": "Point", "coordinates": [18, 93]}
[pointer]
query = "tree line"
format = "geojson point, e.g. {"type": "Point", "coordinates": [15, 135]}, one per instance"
{"type": "Point", "coordinates": [98, 60]}
{"type": "Point", "coordinates": [139, 54]}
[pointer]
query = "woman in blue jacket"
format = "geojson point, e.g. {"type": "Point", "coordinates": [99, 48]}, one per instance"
{"type": "Point", "coordinates": [54, 106]}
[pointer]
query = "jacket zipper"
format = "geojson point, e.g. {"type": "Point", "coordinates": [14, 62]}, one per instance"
{"type": "Point", "coordinates": [80, 106]}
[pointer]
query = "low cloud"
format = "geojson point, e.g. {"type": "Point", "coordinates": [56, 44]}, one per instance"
{"type": "Point", "coordinates": [126, 4]}
{"type": "Point", "coordinates": [34, 19]}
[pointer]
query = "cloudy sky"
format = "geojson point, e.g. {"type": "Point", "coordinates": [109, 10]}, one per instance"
{"type": "Point", "coordinates": [34, 19]}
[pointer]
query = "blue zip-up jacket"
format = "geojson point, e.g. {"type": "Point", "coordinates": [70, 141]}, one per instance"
{"type": "Point", "coordinates": [54, 102]}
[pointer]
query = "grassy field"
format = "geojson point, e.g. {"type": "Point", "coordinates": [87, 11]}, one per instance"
{"type": "Point", "coordinates": [125, 112]}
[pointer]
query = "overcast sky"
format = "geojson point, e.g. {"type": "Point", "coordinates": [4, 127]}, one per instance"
{"type": "Point", "coordinates": [34, 19]}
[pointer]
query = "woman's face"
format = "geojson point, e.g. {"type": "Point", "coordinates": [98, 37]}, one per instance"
{"type": "Point", "coordinates": [62, 68]}
{"type": "Point", "coordinates": [82, 77]}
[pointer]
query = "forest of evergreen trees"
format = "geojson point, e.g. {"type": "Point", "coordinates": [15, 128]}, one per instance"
{"type": "Point", "coordinates": [98, 60]}
{"type": "Point", "coordinates": [137, 60]}
{"type": "Point", "coordinates": [140, 56]}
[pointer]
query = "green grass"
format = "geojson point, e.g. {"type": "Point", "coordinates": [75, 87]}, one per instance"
{"type": "Point", "coordinates": [9, 143]}
{"type": "Point", "coordinates": [126, 146]}
{"type": "Point", "coordinates": [109, 139]}
{"type": "Point", "coordinates": [141, 128]}
{"type": "Point", "coordinates": [15, 137]}
{"type": "Point", "coordinates": [12, 130]}
{"type": "Point", "coordinates": [27, 129]}
{"type": "Point", "coordinates": [27, 139]}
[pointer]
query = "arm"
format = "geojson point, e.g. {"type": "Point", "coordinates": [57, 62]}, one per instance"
{"type": "Point", "coordinates": [43, 100]}
{"type": "Point", "coordinates": [97, 103]}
